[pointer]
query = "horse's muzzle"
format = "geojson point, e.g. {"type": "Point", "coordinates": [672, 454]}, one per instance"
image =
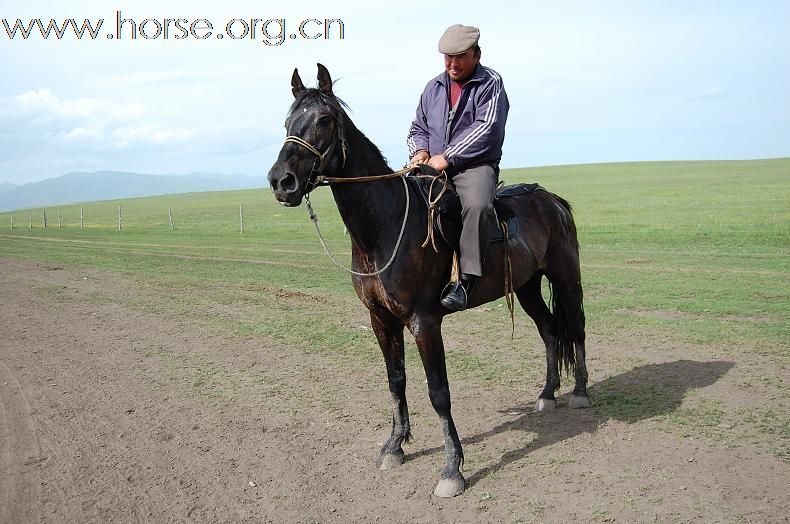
{"type": "Point", "coordinates": [285, 187]}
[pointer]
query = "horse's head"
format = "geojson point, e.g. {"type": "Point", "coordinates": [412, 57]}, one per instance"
{"type": "Point", "coordinates": [315, 143]}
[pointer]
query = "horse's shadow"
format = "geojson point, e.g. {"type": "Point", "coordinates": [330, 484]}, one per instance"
{"type": "Point", "coordinates": [644, 392]}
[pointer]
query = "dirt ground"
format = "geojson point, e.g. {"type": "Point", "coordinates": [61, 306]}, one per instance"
{"type": "Point", "coordinates": [113, 414]}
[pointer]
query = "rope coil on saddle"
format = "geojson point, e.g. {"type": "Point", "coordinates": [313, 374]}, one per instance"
{"type": "Point", "coordinates": [433, 207]}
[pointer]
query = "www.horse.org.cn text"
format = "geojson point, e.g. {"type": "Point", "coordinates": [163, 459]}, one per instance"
{"type": "Point", "coordinates": [269, 31]}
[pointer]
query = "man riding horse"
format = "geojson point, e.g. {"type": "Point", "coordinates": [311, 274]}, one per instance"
{"type": "Point", "coordinates": [460, 128]}
{"type": "Point", "coordinates": [397, 279]}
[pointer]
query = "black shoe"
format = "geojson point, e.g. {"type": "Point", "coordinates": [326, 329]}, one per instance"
{"type": "Point", "coordinates": [456, 294]}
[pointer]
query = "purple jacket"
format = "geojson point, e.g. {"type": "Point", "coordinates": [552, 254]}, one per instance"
{"type": "Point", "coordinates": [477, 131]}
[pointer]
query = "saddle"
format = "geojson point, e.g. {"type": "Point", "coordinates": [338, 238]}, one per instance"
{"type": "Point", "coordinates": [447, 223]}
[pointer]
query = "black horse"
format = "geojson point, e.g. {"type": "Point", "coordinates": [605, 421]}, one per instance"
{"type": "Point", "coordinates": [323, 142]}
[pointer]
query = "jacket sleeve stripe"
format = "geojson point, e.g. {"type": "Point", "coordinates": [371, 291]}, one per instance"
{"type": "Point", "coordinates": [410, 143]}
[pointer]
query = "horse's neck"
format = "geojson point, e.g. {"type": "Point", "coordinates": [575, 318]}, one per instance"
{"type": "Point", "coordinates": [372, 211]}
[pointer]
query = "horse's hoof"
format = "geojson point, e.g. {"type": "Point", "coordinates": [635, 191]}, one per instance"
{"type": "Point", "coordinates": [389, 461]}
{"type": "Point", "coordinates": [449, 488]}
{"type": "Point", "coordinates": [545, 404]}
{"type": "Point", "coordinates": [577, 402]}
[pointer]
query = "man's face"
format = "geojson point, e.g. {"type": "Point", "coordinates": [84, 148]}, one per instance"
{"type": "Point", "coordinates": [460, 67]}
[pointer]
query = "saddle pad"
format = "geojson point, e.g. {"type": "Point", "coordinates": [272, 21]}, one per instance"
{"type": "Point", "coordinates": [516, 189]}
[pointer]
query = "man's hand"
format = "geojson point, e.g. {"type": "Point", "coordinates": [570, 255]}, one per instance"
{"type": "Point", "coordinates": [438, 162]}
{"type": "Point", "coordinates": [420, 157]}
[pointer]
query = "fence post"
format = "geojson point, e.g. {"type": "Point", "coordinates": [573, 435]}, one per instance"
{"type": "Point", "coordinates": [30, 218]}
{"type": "Point", "coordinates": [44, 211]}
{"type": "Point", "coordinates": [60, 222]}
{"type": "Point", "coordinates": [241, 219]}
{"type": "Point", "coordinates": [119, 218]}
{"type": "Point", "coordinates": [12, 220]}
{"type": "Point", "coordinates": [170, 216]}
{"type": "Point", "coordinates": [82, 219]}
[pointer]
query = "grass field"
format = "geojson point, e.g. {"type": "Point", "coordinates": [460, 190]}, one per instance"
{"type": "Point", "coordinates": [693, 254]}
{"type": "Point", "coordinates": [705, 242]}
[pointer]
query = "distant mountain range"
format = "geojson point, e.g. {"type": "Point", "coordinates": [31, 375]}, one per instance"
{"type": "Point", "coordinates": [72, 188]}
{"type": "Point", "coordinates": [5, 186]}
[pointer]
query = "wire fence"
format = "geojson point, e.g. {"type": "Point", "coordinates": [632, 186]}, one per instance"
{"type": "Point", "coordinates": [260, 215]}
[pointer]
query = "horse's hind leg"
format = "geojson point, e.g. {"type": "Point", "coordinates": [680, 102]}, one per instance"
{"type": "Point", "coordinates": [575, 314]}
{"type": "Point", "coordinates": [567, 296]}
{"type": "Point", "coordinates": [389, 332]}
{"type": "Point", "coordinates": [531, 300]}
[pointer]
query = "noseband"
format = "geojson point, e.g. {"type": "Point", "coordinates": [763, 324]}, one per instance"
{"type": "Point", "coordinates": [316, 177]}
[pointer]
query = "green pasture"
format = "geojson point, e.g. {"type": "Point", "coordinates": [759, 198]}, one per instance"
{"type": "Point", "coordinates": [697, 248]}
{"type": "Point", "coordinates": [686, 254]}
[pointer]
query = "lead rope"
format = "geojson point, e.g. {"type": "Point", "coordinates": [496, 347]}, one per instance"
{"type": "Point", "coordinates": [314, 218]}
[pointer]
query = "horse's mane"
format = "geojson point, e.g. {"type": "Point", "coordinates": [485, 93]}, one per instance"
{"type": "Point", "coordinates": [312, 96]}
{"type": "Point", "coordinates": [315, 96]}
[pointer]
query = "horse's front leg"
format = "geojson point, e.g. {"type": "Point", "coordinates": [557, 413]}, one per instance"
{"type": "Point", "coordinates": [428, 335]}
{"type": "Point", "coordinates": [389, 332]}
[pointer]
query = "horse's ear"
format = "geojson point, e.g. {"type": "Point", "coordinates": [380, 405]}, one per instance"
{"type": "Point", "coordinates": [324, 80]}
{"type": "Point", "coordinates": [296, 83]}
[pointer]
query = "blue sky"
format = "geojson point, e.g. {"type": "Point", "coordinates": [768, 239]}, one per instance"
{"type": "Point", "coordinates": [587, 82]}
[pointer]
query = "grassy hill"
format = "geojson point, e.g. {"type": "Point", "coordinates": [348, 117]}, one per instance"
{"type": "Point", "coordinates": [105, 185]}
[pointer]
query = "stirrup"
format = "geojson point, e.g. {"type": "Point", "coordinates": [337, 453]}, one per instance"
{"type": "Point", "coordinates": [454, 296]}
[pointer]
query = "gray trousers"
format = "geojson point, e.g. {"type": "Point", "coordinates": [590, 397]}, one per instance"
{"type": "Point", "coordinates": [476, 188]}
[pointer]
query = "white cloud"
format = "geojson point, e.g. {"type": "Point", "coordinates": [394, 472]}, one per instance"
{"type": "Point", "coordinates": [113, 124]}
{"type": "Point", "coordinates": [151, 133]}
{"type": "Point", "coordinates": [706, 94]}
{"type": "Point", "coordinates": [84, 133]}
{"type": "Point", "coordinates": [38, 97]}
{"type": "Point", "coordinates": [43, 101]}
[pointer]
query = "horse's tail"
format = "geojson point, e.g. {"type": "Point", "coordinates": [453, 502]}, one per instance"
{"type": "Point", "coordinates": [567, 318]}
{"type": "Point", "coordinates": [567, 304]}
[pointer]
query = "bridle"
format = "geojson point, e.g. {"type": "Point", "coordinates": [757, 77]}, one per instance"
{"type": "Point", "coordinates": [316, 177]}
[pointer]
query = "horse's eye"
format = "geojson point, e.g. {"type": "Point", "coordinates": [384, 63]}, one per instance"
{"type": "Point", "coordinates": [323, 121]}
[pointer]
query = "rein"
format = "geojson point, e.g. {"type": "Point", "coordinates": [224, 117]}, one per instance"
{"type": "Point", "coordinates": [314, 218]}
{"type": "Point", "coordinates": [317, 179]}
{"type": "Point", "coordinates": [329, 180]}
{"type": "Point", "coordinates": [432, 209]}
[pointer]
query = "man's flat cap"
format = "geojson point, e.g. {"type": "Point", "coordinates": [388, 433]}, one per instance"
{"type": "Point", "coordinates": [458, 38]}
